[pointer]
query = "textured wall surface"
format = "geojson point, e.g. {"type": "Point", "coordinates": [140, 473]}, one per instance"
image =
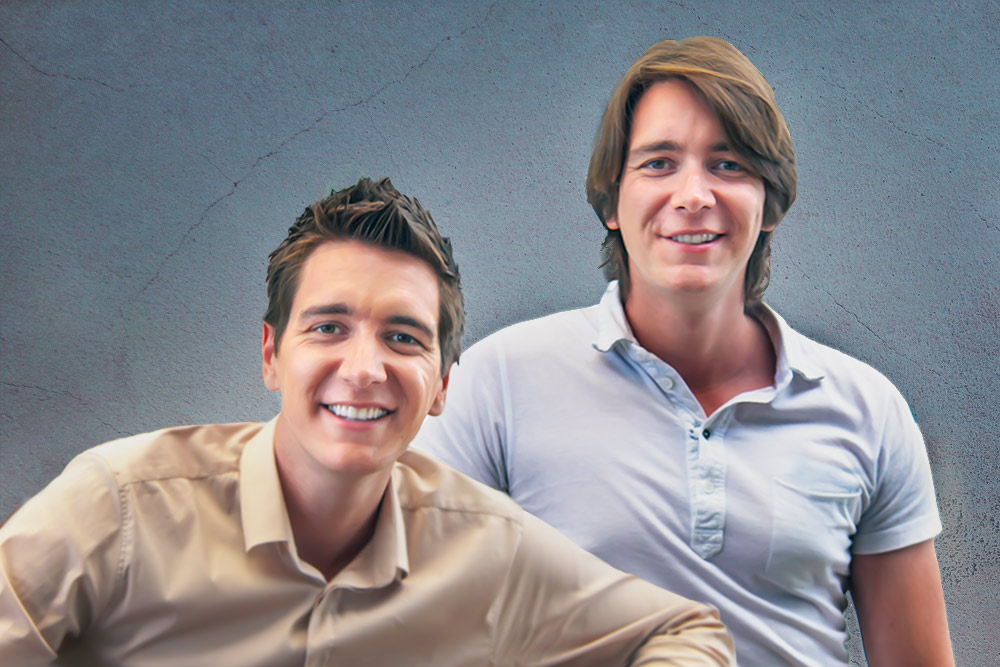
{"type": "Point", "coordinates": [150, 158]}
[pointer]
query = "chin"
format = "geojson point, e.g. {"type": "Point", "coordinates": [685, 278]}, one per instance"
{"type": "Point", "coordinates": [689, 284]}
{"type": "Point", "coordinates": [353, 458]}
{"type": "Point", "coordinates": [694, 281]}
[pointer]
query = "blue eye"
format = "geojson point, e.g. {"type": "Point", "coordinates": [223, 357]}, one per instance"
{"type": "Point", "coordinates": [404, 338]}
{"type": "Point", "coordinates": [730, 166]}
{"type": "Point", "coordinates": [656, 164]}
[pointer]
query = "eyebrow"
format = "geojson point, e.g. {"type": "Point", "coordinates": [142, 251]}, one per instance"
{"type": "Point", "coordinates": [407, 321]}
{"type": "Point", "coordinates": [328, 309]}
{"type": "Point", "coordinates": [655, 147]}
{"type": "Point", "coordinates": [673, 147]}
{"type": "Point", "coordinates": [343, 309]}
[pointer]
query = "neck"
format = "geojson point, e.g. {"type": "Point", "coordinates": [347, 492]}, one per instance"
{"type": "Point", "coordinates": [717, 348]}
{"type": "Point", "coordinates": [332, 515]}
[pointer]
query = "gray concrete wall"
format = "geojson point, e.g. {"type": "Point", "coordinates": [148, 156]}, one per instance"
{"type": "Point", "coordinates": [152, 154]}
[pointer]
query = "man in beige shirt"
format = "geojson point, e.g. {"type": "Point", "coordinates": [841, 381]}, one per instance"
{"type": "Point", "coordinates": [317, 538]}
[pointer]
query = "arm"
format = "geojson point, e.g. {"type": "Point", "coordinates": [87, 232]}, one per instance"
{"type": "Point", "coordinates": [900, 607]}
{"type": "Point", "coordinates": [563, 606]}
{"type": "Point", "coordinates": [58, 559]}
{"type": "Point", "coordinates": [895, 581]}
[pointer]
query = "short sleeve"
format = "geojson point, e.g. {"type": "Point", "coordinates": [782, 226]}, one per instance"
{"type": "Point", "coordinates": [903, 509]}
{"type": "Point", "coordinates": [60, 557]}
{"type": "Point", "coordinates": [471, 432]}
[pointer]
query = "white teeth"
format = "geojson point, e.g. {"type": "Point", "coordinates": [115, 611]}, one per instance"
{"type": "Point", "coordinates": [695, 239]}
{"type": "Point", "coordinates": [356, 414]}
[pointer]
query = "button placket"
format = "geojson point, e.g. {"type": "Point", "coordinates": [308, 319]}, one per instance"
{"type": "Point", "coordinates": [707, 479]}
{"type": "Point", "coordinates": [705, 457]}
{"type": "Point", "coordinates": [657, 370]}
{"type": "Point", "coordinates": [319, 630]}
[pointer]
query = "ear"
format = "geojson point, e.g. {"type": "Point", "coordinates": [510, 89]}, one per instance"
{"type": "Point", "coordinates": [612, 222]}
{"type": "Point", "coordinates": [437, 406]}
{"type": "Point", "coordinates": [269, 366]}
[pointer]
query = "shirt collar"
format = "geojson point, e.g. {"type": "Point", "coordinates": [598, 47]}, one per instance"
{"type": "Point", "coordinates": [612, 327]}
{"type": "Point", "coordinates": [265, 518]}
{"type": "Point", "coordinates": [262, 505]}
{"type": "Point", "coordinates": [790, 346]}
{"type": "Point", "coordinates": [384, 559]}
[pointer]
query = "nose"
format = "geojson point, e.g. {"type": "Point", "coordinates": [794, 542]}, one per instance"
{"type": "Point", "coordinates": [693, 192]}
{"type": "Point", "coordinates": [362, 364]}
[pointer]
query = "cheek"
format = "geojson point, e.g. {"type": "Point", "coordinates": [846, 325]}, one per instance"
{"type": "Point", "coordinates": [423, 388]}
{"type": "Point", "coordinates": [747, 205]}
{"type": "Point", "coordinates": [632, 194]}
{"type": "Point", "coordinates": [308, 370]}
{"type": "Point", "coordinates": [645, 197]}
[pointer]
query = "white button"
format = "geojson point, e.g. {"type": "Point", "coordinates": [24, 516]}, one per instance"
{"type": "Point", "coordinates": [709, 488]}
{"type": "Point", "coordinates": [667, 382]}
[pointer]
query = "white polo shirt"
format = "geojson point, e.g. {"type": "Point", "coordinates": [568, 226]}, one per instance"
{"type": "Point", "coordinates": [755, 508]}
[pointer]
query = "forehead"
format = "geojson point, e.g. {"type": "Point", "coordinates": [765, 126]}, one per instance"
{"type": "Point", "coordinates": [674, 110]}
{"type": "Point", "coordinates": [368, 279]}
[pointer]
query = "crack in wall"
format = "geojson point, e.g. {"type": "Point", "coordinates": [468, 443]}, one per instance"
{"type": "Point", "coordinates": [986, 221]}
{"type": "Point", "coordinates": [676, 3]}
{"type": "Point", "coordinates": [218, 168]}
{"type": "Point", "coordinates": [78, 79]}
{"type": "Point", "coordinates": [309, 128]}
{"type": "Point", "coordinates": [187, 234]}
{"type": "Point", "coordinates": [857, 319]}
{"type": "Point", "coordinates": [889, 346]}
{"type": "Point", "coordinates": [888, 120]}
{"type": "Point", "coordinates": [53, 393]}
{"type": "Point", "coordinates": [326, 114]}
{"type": "Point", "coordinates": [45, 390]}
{"type": "Point", "coordinates": [385, 141]}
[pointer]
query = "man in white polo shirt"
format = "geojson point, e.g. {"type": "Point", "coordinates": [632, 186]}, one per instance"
{"type": "Point", "coordinates": [680, 429]}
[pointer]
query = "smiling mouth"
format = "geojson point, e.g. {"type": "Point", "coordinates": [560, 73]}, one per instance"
{"type": "Point", "coordinates": [355, 414]}
{"type": "Point", "coordinates": [694, 239]}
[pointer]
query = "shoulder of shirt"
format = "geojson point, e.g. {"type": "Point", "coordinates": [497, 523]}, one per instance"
{"type": "Point", "coordinates": [841, 372]}
{"type": "Point", "coordinates": [543, 335]}
{"type": "Point", "coordinates": [423, 481]}
{"type": "Point", "coordinates": [189, 452]}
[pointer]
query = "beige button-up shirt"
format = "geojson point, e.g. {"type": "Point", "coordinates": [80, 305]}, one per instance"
{"type": "Point", "coordinates": [175, 548]}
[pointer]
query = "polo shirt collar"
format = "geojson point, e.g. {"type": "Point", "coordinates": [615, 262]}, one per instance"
{"type": "Point", "coordinates": [265, 518]}
{"type": "Point", "coordinates": [790, 346]}
{"type": "Point", "coordinates": [612, 325]}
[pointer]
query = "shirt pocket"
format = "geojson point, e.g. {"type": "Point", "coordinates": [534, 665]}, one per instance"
{"type": "Point", "coordinates": [811, 535]}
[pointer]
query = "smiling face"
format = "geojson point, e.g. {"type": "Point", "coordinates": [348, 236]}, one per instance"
{"type": "Point", "coordinates": [689, 211]}
{"type": "Point", "coordinates": [359, 363]}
